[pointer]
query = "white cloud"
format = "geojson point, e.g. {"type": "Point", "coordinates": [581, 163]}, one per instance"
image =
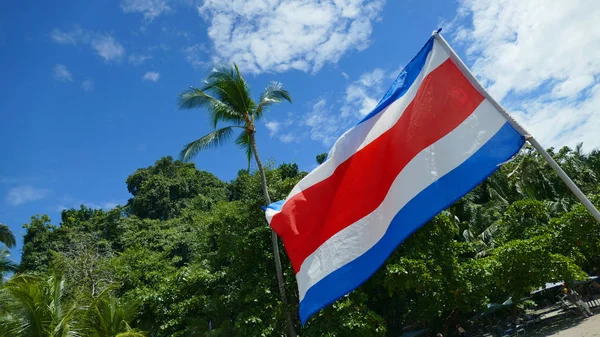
{"type": "Point", "coordinates": [61, 73]}
{"type": "Point", "coordinates": [72, 37]}
{"type": "Point", "coordinates": [108, 48]}
{"type": "Point", "coordinates": [278, 35]}
{"type": "Point", "coordinates": [287, 138]}
{"type": "Point", "coordinates": [345, 75]}
{"type": "Point", "coordinates": [151, 76]}
{"type": "Point", "coordinates": [25, 193]}
{"type": "Point", "coordinates": [276, 130]}
{"type": "Point", "coordinates": [273, 127]}
{"type": "Point", "coordinates": [161, 46]}
{"type": "Point", "coordinates": [137, 59]}
{"type": "Point", "coordinates": [176, 32]}
{"type": "Point", "coordinates": [325, 124]}
{"type": "Point", "coordinates": [103, 205]}
{"type": "Point", "coordinates": [87, 85]}
{"type": "Point", "coordinates": [362, 95]}
{"type": "Point", "coordinates": [151, 9]}
{"type": "Point", "coordinates": [541, 58]}
{"type": "Point", "coordinates": [105, 45]}
{"type": "Point", "coordinates": [196, 55]}
{"type": "Point", "coordinates": [326, 121]}
{"type": "Point", "coordinates": [68, 202]}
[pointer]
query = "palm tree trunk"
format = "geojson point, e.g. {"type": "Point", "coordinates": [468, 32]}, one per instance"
{"type": "Point", "coordinates": [274, 240]}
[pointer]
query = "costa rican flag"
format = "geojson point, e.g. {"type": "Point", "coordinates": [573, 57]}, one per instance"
{"type": "Point", "coordinates": [432, 138]}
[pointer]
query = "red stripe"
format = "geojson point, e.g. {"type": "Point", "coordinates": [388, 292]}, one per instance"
{"type": "Point", "coordinates": [359, 185]}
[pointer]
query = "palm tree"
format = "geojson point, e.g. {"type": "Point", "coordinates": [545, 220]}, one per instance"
{"type": "Point", "coordinates": [321, 158]}
{"type": "Point", "coordinates": [107, 317]}
{"type": "Point", "coordinates": [8, 239]}
{"type": "Point", "coordinates": [6, 236]}
{"type": "Point", "coordinates": [226, 96]}
{"type": "Point", "coordinates": [33, 306]}
{"type": "Point", "coordinates": [6, 265]}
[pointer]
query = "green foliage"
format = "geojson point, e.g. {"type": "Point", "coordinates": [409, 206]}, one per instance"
{"type": "Point", "coordinates": [6, 265]}
{"type": "Point", "coordinates": [9, 240]}
{"type": "Point", "coordinates": [576, 234]}
{"type": "Point", "coordinates": [107, 317]}
{"type": "Point", "coordinates": [162, 191]}
{"type": "Point", "coordinates": [37, 243]}
{"type": "Point", "coordinates": [429, 276]}
{"type": "Point", "coordinates": [525, 219]}
{"type": "Point", "coordinates": [321, 158]}
{"type": "Point", "coordinates": [131, 334]}
{"type": "Point", "coordinates": [190, 255]}
{"type": "Point", "coordinates": [6, 236]}
{"type": "Point", "coordinates": [42, 307]}
{"type": "Point", "coordinates": [33, 306]}
{"type": "Point", "coordinates": [524, 265]}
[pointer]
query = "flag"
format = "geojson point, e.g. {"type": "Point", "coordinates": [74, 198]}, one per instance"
{"type": "Point", "coordinates": [431, 139]}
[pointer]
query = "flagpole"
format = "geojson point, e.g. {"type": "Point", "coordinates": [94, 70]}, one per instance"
{"type": "Point", "coordinates": [565, 178]}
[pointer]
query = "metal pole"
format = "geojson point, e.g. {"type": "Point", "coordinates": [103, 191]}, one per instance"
{"type": "Point", "coordinates": [553, 164]}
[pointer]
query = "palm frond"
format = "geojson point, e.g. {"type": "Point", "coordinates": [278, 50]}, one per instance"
{"type": "Point", "coordinates": [488, 234]}
{"type": "Point", "coordinates": [218, 111]}
{"type": "Point", "coordinates": [230, 87]}
{"type": "Point", "coordinates": [109, 316]}
{"type": "Point", "coordinates": [6, 265]}
{"type": "Point", "coordinates": [6, 236]}
{"type": "Point", "coordinates": [211, 140]}
{"type": "Point", "coordinates": [274, 93]}
{"type": "Point", "coordinates": [194, 98]}
{"type": "Point", "coordinates": [245, 143]}
{"type": "Point", "coordinates": [496, 196]}
{"type": "Point", "coordinates": [131, 334]}
{"type": "Point", "coordinates": [468, 235]}
{"type": "Point", "coordinates": [28, 300]}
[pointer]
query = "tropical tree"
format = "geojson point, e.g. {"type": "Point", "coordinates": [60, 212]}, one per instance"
{"type": "Point", "coordinates": [107, 317]}
{"type": "Point", "coordinates": [34, 306]}
{"type": "Point", "coordinates": [6, 265]}
{"type": "Point", "coordinates": [226, 97]}
{"type": "Point", "coordinates": [6, 236]}
{"type": "Point", "coordinates": [8, 239]}
{"type": "Point", "coordinates": [321, 158]}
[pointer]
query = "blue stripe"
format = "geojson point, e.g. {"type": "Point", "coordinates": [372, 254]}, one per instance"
{"type": "Point", "coordinates": [432, 200]}
{"type": "Point", "coordinates": [276, 205]}
{"type": "Point", "coordinates": [404, 81]}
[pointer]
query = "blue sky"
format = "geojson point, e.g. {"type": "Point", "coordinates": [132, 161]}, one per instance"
{"type": "Point", "coordinates": [88, 89]}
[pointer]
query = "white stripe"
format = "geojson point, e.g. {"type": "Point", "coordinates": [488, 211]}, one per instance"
{"type": "Point", "coordinates": [425, 168]}
{"type": "Point", "coordinates": [270, 213]}
{"type": "Point", "coordinates": [361, 135]}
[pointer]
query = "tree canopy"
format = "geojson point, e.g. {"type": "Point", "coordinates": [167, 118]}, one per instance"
{"type": "Point", "coordinates": [190, 255]}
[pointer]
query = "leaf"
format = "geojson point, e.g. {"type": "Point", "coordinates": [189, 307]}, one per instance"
{"type": "Point", "coordinates": [218, 110]}
{"type": "Point", "coordinates": [6, 236]}
{"type": "Point", "coordinates": [231, 88]}
{"type": "Point", "coordinates": [244, 142]}
{"type": "Point", "coordinates": [211, 140]}
{"type": "Point", "coordinates": [6, 265]}
{"type": "Point", "coordinates": [274, 93]}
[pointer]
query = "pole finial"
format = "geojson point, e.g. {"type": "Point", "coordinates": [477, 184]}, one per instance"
{"type": "Point", "coordinates": [437, 31]}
